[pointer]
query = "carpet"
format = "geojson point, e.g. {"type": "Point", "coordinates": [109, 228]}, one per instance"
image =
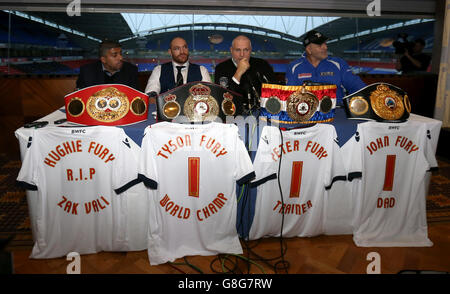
{"type": "Point", "coordinates": [438, 198]}
{"type": "Point", "coordinates": [15, 221]}
{"type": "Point", "coordinates": [14, 217]}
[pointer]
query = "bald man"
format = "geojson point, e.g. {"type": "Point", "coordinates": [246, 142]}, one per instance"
{"type": "Point", "coordinates": [244, 74]}
{"type": "Point", "coordinates": [177, 72]}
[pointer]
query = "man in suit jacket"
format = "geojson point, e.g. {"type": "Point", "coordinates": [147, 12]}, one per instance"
{"type": "Point", "coordinates": [177, 72]}
{"type": "Point", "coordinates": [244, 74]}
{"type": "Point", "coordinates": [109, 69]}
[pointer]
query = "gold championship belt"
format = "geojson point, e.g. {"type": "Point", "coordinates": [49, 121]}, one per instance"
{"type": "Point", "coordinates": [198, 102]}
{"type": "Point", "coordinates": [109, 105]}
{"type": "Point", "coordinates": [309, 103]}
{"type": "Point", "coordinates": [379, 101]}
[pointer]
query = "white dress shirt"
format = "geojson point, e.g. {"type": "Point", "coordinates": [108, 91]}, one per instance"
{"type": "Point", "coordinates": [154, 85]}
{"type": "Point", "coordinates": [233, 78]}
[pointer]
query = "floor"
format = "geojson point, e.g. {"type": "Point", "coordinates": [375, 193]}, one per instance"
{"type": "Point", "coordinates": [321, 255]}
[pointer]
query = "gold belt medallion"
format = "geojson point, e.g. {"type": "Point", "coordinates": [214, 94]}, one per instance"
{"type": "Point", "coordinates": [108, 105]}
{"type": "Point", "coordinates": [201, 108]}
{"type": "Point", "coordinates": [387, 103]}
{"type": "Point", "coordinates": [200, 105]}
{"type": "Point", "coordinates": [302, 105]}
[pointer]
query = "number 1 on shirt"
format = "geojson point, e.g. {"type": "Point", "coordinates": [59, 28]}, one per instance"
{"type": "Point", "coordinates": [389, 173]}
{"type": "Point", "coordinates": [296, 179]}
{"type": "Point", "coordinates": [194, 176]}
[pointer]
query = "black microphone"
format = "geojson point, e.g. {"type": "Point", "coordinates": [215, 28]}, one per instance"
{"type": "Point", "coordinates": [223, 81]}
{"type": "Point", "coordinates": [252, 86]}
{"type": "Point", "coordinates": [256, 95]}
{"type": "Point", "coordinates": [265, 79]}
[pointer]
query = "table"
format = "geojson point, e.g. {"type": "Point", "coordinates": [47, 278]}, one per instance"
{"type": "Point", "coordinates": [339, 212]}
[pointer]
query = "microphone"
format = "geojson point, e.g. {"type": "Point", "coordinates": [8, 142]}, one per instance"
{"type": "Point", "coordinates": [255, 94]}
{"type": "Point", "coordinates": [223, 81]}
{"type": "Point", "coordinates": [266, 79]}
{"type": "Point", "coordinates": [263, 79]}
{"type": "Point", "coordinates": [252, 84]}
{"type": "Point", "coordinates": [152, 94]}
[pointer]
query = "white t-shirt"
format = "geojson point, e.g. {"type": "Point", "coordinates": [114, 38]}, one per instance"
{"type": "Point", "coordinates": [195, 169]}
{"type": "Point", "coordinates": [78, 173]}
{"type": "Point", "coordinates": [390, 197]}
{"type": "Point", "coordinates": [310, 163]}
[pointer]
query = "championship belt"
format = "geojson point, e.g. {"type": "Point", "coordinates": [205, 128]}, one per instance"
{"type": "Point", "coordinates": [379, 101]}
{"type": "Point", "coordinates": [304, 104]}
{"type": "Point", "coordinates": [198, 102]}
{"type": "Point", "coordinates": [107, 105]}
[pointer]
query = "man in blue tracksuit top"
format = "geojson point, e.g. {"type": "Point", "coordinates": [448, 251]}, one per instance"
{"type": "Point", "coordinates": [316, 66]}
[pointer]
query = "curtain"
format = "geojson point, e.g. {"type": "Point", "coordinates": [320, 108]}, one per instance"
{"type": "Point", "coordinates": [442, 109]}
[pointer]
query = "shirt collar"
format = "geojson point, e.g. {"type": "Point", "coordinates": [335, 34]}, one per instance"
{"type": "Point", "coordinates": [175, 64]}
{"type": "Point", "coordinates": [108, 72]}
{"type": "Point", "coordinates": [306, 59]}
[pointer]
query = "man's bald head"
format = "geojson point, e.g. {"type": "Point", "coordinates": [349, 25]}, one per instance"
{"type": "Point", "coordinates": [241, 38]}
{"type": "Point", "coordinates": [241, 47]}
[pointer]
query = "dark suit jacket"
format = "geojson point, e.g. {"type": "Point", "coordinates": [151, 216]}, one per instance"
{"type": "Point", "coordinates": [259, 72]}
{"type": "Point", "coordinates": [92, 74]}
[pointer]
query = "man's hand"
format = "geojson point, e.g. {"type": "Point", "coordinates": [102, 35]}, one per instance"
{"type": "Point", "coordinates": [242, 67]}
{"type": "Point", "coordinates": [398, 65]}
{"type": "Point", "coordinates": [414, 61]}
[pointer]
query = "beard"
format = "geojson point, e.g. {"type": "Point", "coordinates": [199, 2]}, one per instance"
{"type": "Point", "coordinates": [182, 58]}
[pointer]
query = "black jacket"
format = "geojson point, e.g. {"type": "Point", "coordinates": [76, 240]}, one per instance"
{"type": "Point", "coordinates": [92, 74]}
{"type": "Point", "coordinates": [259, 72]}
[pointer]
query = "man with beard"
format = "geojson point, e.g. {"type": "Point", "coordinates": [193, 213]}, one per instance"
{"type": "Point", "coordinates": [177, 72]}
{"type": "Point", "coordinates": [109, 69]}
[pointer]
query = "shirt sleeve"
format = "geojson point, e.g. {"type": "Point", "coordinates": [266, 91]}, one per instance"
{"type": "Point", "coordinates": [353, 160]}
{"type": "Point", "coordinates": [235, 81]}
{"type": "Point", "coordinates": [289, 75]}
{"type": "Point", "coordinates": [153, 84]}
{"type": "Point", "coordinates": [28, 174]}
{"type": "Point", "coordinates": [338, 171]}
{"type": "Point", "coordinates": [429, 152]}
{"type": "Point", "coordinates": [266, 167]}
{"type": "Point", "coordinates": [125, 168]}
{"type": "Point", "coordinates": [147, 163]}
{"type": "Point", "coordinates": [351, 82]}
{"type": "Point", "coordinates": [244, 168]}
{"type": "Point", "coordinates": [206, 77]}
